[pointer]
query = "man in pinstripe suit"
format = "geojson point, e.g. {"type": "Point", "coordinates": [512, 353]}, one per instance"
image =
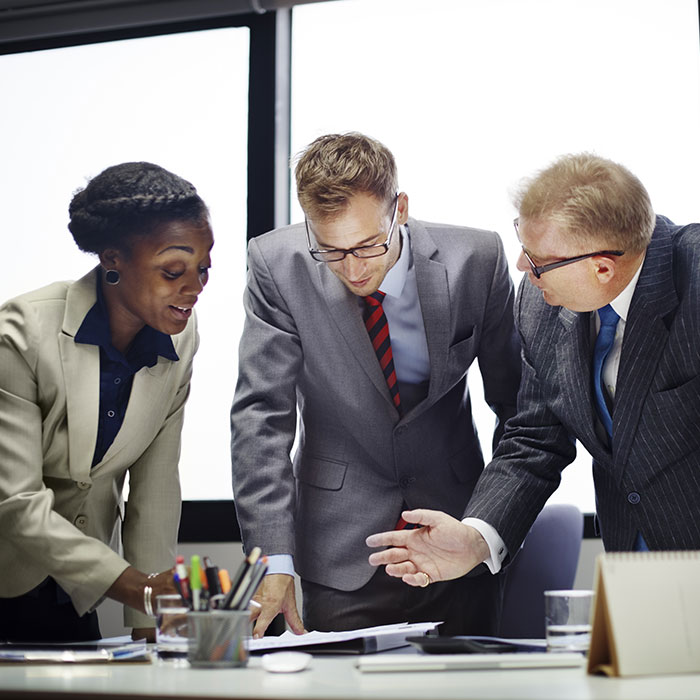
{"type": "Point", "coordinates": [590, 242]}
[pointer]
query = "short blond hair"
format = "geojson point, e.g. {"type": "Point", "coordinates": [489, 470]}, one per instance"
{"type": "Point", "coordinates": [335, 167]}
{"type": "Point", "coordinates": [594, 201]}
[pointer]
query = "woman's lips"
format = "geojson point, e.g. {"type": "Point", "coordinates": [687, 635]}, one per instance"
{"type": "Point", "coordinates": [182, 312]}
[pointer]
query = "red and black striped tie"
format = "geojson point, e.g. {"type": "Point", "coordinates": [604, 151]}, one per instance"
{"type": "Point", "coordinates": [378, 329]}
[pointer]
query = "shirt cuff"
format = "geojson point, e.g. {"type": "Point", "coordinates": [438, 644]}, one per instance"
{"type": "Point", "coordinates": [497, 548]}
{"type": "Point", "coordinates": [280, 564]}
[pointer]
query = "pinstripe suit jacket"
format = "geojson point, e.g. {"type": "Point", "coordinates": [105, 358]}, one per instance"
{"type": "Point", "coordinates": [305, 347]}
{"type": "Point", "coordinates": [650, 481]}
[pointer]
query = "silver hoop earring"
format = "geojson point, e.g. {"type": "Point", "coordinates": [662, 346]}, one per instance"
{"type": "Point", "coordinates": [112, 277]}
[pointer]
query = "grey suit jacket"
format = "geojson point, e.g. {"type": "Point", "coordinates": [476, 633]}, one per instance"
{"type": "Point", "coordinates": [58, 516]}
{"type": "Point", "coordinates": [305, 347]}
{"type": "Point", "coordinates": [650, 481]}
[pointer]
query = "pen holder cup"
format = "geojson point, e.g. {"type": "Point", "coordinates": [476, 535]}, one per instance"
{"type": "Point", "coordinates": [218, 638]}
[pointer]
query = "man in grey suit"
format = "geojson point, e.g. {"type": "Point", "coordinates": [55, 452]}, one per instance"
{"type": "Point", "coordinates": [609, 320]}
{"type": "Point", "coordinates": [368, 445]}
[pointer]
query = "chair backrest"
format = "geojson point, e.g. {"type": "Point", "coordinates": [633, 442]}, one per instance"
{"type": "Point", "coordinates": [547, 561]}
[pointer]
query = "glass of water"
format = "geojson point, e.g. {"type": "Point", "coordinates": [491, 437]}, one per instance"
{"type": "Point", "coordinates": [568, 620]}
{"type": "Point", "coordinates": [171, 626]}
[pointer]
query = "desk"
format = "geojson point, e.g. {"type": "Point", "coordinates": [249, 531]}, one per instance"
{"type": "Point", "coordinates": [330, 678]}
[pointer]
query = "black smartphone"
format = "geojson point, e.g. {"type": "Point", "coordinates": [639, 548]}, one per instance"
{"type": "Point", "coordinates": [468, 645]}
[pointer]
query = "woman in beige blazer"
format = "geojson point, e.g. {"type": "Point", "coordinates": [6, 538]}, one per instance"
{"type": "Point", "coordinates": [94, 376]}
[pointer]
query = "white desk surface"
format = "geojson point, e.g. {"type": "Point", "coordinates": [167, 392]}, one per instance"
{"type": "Point", "coordinates": [331, 678]}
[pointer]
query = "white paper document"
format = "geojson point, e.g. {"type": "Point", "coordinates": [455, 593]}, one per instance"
{"type": "Point", "coordinates": [365, 640]}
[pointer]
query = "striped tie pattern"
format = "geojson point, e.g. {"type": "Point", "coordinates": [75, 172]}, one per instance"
{"type": "Point", "coordinates": [378, 329]}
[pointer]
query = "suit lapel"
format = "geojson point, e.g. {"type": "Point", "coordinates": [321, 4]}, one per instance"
{"type": "Point", "coordinates": [573, 352]}
{"type": "Point", "coordinates": [434, 297]}
{"type": "Point", "coordinates": [81, 370]}
{"type": "Point", "coordinates": [645, 338]}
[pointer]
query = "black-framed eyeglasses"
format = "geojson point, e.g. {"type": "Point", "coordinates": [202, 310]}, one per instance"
{"type": "Point", "coordinates": [365, 251]}
{"type": "Point", "coordinates": [539, 270]}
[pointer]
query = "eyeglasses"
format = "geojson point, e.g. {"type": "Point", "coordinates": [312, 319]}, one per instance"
{"type": "Point", "coordinates": [365, 251]}
{"type": "Point", "coordinates": [539, 270]}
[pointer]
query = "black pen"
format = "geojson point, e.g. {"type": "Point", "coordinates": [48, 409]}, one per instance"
{"type": "Point", "coordinates": [258, 572]}
{"type": "Point", "coordinates": [240, 574]}
{"type": "Point", "coordinates": [242, 586]}
{"type": "Point", "coordinates": [212, 574]}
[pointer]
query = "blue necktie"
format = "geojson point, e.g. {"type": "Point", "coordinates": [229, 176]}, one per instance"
{"type": "Point", "coordinates": [603, 345]}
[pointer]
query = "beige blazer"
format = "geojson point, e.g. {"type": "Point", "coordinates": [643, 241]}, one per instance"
{"type": "Point", "coordinates": [58, 516]}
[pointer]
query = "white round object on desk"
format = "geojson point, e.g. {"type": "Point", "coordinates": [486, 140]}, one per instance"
{"type": "Point", "coordinates": [285, 661]}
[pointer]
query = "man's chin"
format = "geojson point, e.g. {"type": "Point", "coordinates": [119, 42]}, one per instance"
{"type": "Point", "coordinates": [361, 290]}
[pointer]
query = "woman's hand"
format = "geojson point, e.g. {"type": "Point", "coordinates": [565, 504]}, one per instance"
{"type": "Point", "coordinates": [147, 633]}
{"type": "Point", "coordinates": [130, 586]}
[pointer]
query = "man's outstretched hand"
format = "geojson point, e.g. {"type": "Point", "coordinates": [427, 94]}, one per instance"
{"type": "Point", "coordinates": [442, 549]}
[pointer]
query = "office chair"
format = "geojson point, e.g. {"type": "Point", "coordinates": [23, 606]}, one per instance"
{"type": "Point", "coordinates": [546, 561]}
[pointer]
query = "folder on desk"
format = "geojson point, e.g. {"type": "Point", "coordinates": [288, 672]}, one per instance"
{"type": "Point", "coordinates": [135, 652]}
{"type": "Point", "coordinates": [646, 617]}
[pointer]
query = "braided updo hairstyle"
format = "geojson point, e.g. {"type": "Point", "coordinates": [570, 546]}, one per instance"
{"type": "Point", "coordinates": [131, 199]}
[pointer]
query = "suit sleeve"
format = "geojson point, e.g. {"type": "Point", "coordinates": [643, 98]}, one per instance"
{"type": "Point", "coordinates": [263, 415]}
{"type": "Point", "coordinates": [153, 509]}
{"type": "Point", "coordinates": [499, 347]}
{"type": "Point", "coordinates": [527, 464]}
{"type": "Point", "coordinates": [42, 539]}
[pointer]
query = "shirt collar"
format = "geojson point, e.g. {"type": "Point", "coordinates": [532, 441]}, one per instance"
{"type": "Point", "coordinates": [621, 303]}
{"type": "Point", "coordinates": [395, 279]}
{"type": "Point", "coordinates": [145, 348]}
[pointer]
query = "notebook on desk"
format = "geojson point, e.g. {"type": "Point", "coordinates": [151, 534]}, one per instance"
{"type": "Point", "coordinates": [466, 662]}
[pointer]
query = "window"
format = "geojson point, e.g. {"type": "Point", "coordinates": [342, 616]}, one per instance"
{"type": "Point", "coordinates": [179, 100]}
{"type": "Point", "coordinates": [472, 96]}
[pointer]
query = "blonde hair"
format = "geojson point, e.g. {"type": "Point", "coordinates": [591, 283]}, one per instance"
{"type": "Point", "coordinates": [594, 201]}
{"type": "Point", "coordinates": [335, 167]}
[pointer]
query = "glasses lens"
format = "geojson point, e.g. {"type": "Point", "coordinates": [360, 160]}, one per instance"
{"type": "Point", "coordinates": [328, 256]}
{"type": "Point", "coordinates": [371, 251]}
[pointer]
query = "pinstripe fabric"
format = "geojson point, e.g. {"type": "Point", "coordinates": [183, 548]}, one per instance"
{"type": "Point", "coordinates": [650, 482]}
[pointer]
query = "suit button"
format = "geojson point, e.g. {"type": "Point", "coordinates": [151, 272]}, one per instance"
{"type": "Point", "coordinates": [81, 522]}
{"type": "Point", "coordinates": [406, 481]}
{"type": "Point", "coordinates": [401, 429]}
{"type": "Point", "coordinates": [633, 497]}
{"type": "Point", "coordinates": [84, 485]}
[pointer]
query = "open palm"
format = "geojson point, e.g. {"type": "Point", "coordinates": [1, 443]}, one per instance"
{"type": "Point", "coordinates": [443, 548]}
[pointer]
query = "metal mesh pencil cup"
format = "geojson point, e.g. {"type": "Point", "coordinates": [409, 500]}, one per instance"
{"type": "Point", "coordinates": [218, 638]}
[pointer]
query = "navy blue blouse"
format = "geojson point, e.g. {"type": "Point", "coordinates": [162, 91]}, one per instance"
{"type": "Point", "coordinates": [117, 370]}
